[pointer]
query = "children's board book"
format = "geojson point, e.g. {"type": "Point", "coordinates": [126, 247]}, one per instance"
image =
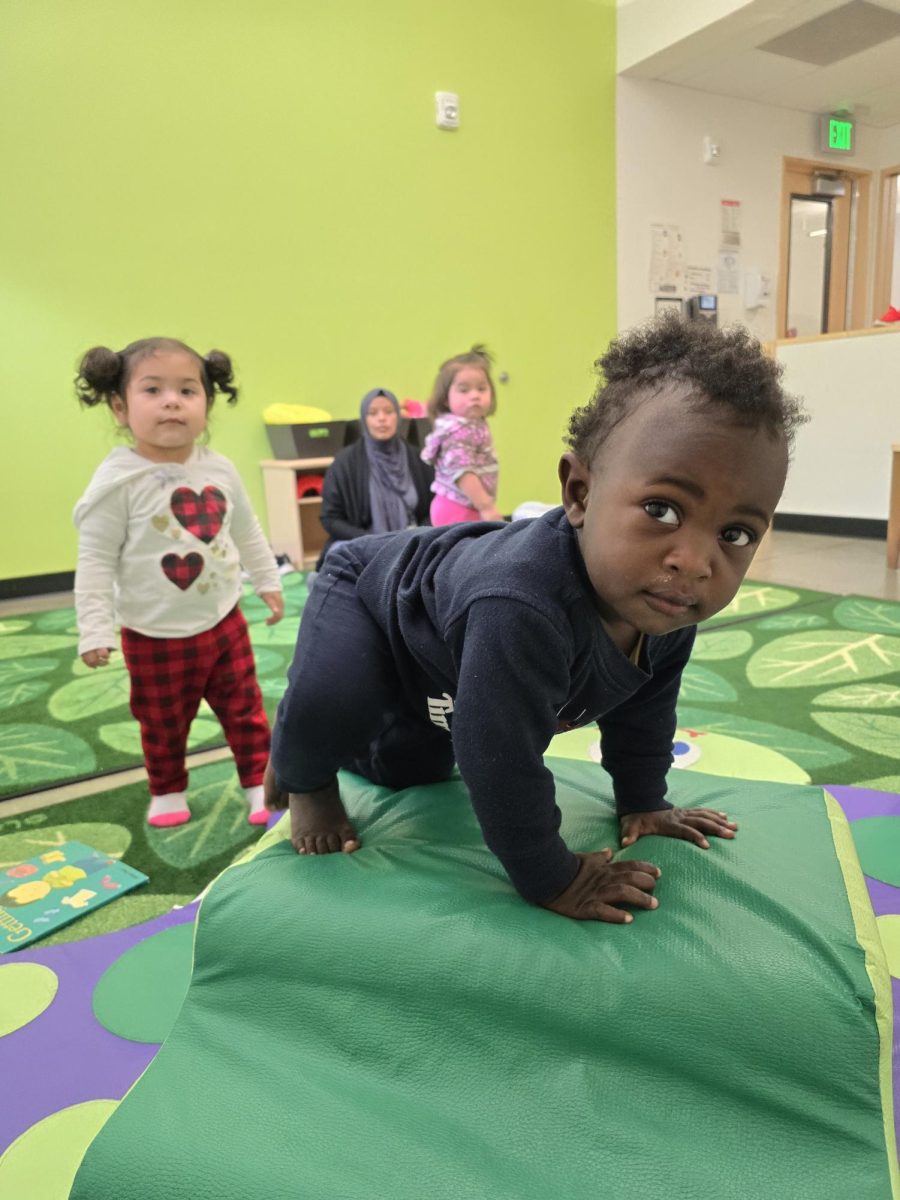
{"type": "Point", "coordinates": [56, 887]}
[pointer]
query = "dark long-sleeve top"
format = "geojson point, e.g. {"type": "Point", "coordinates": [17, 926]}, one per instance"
{"type": "Point", "coordinates": [503, 620]}
{"type": "Point", "coordinates": [346, 512]}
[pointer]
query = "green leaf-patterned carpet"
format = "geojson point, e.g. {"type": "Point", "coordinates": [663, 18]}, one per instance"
{"type": "Point", "coordinates": [61, 721]}
{"type": "Point", "coordinates": [800, 687]}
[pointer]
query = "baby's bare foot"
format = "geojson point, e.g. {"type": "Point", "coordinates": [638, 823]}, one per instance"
{"type": "Point", "coordinates": [319, 822]}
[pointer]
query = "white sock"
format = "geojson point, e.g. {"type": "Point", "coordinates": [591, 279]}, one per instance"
{"type": "Point", "coordinates": [256, 799]}
{"type": "Point", "coordinates": [171, 809]}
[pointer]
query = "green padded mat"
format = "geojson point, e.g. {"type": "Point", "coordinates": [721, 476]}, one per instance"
{"type": "Point", "coordinates": [396, 1024]}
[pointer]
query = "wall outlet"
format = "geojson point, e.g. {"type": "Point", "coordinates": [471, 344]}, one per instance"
{"type": "Point", "coordinates": [446, 110]}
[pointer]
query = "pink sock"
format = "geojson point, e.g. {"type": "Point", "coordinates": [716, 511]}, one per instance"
{"type": "Point", "coordinates": [258, 814]}
{"type": "Point", "coordinates": [171, 809]}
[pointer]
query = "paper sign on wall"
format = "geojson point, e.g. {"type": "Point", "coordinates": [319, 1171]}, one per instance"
{"type": "Point", "coordinates": [666, 260]}
{"type": "Point", "coordinates": [729, 274]}
{"type": "Point", "coordinates": [730, 239]}
{"type": "Point", "coordinates": [698, 281]}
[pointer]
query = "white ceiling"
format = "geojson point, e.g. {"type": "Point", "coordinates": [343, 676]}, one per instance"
{"type": "Point", "coordinates": [717, 51]}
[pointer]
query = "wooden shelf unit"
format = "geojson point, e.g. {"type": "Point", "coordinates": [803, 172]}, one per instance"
{"type": "Point", "coordinates": [294, 525]}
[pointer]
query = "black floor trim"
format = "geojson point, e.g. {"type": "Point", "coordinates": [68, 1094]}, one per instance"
{"type": "Point", "coordinates": [860, 527]}
{"type": "Point", "coordinates": [36, 585]}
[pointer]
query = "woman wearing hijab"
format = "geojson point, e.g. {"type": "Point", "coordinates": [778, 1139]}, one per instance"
{"type": "Point", "coordinates": [378, 484]}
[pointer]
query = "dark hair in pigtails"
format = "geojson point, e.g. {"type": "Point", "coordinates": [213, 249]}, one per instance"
{"type": "Point", "coordinates": [99, 376]}
{"type": "Point", "coordinates": [104, 374]}
{"type": "Point", "coordinates": [220, 375]}
{"type": "Point", "coordinates": [478, 356]}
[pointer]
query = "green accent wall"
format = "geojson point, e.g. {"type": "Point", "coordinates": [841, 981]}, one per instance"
{"type": "Point", "coordinates": [267, 178]}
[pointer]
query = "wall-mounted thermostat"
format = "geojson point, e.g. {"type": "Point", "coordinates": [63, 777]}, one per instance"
{"type": "Point", "coordinates": [446, 110]}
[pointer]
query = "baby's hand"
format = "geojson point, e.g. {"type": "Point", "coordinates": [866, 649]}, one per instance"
{"type": "Point", "coordinates": [688, 823]}
{"type": "Point", "coordinates": [275, 601]}
{"type": "Point", "coordinates": [96, 658]}
{"type": "Point", "coordinates": [491, 514]}
{"type": "Point", "coordinates": [601, 887]}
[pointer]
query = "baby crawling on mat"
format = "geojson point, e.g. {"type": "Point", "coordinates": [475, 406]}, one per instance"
{"type": "Point", "coordinates": [477, 642]}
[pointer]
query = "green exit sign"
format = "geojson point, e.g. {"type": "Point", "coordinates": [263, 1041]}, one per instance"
{"type": "Point", "coordinates": [836, 134]}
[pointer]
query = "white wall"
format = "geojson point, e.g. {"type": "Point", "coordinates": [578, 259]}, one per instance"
{"type": "Point", "coordinates": [842, 461]}
{"type": "Point", "coordinates": [662, 178]}
{"type": "Point", "coordinates": [646, 27]}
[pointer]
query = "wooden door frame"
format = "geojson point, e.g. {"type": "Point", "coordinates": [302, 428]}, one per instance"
{"type": "Point", "coordinates": [858, 313]}
{"type": "Point", "coordinates": [884, 250]}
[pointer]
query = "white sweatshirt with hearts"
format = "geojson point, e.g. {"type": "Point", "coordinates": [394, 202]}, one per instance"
{"type": "Point", "coordinates": [161, 546]}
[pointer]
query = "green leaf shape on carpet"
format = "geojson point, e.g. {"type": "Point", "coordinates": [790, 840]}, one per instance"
{"type": "Point", "coordinates": [13, 626]}
{"type": "Point", "coordinates": [26, 990]}
{"type": "Point", "coordinates": [268, 661]}
{"type": "Point", "coordinates": [101, 691]}
{"type": "Point", "coordinates": [139, 996]}
{"type": "Point", "coordinates": [755, 598]}
{"type": "Point", "coordinates": [58, 620]}
{"type": "Point", "coordinates": [822, 657]}
{"type": "Point", "coordinates": [110, 839]}
{"type": "Point", "coordinates": [865, 613]}
{"type": "Point", "coordinates": [219, 820]}
{"type": "Point", "coordinates": [737, 758]}
{"type": "Point", "coordinates": [116, 663]}
{"type": "Point", "coordinates": [808, 752]}
{"type": "Point", "coordinates": [860, 695]}
{"type": "Point", "coordinates": [14, 695]}
{"type": "Point", "coordinates": [870, 731]}
{"type": "Point", "coordinates": [133, 909]}
{"type": "Point", "coordinates": [884, 783]}
{"type": "Point", "coordinates": [730, 643]}
{"type": "Point", "coordinates": [877, 841]}
{"type": "Point", "coordinates": [273, 689]}
{"type": "Point", "coordinates": [13, 671]}
{"type": "Point", "coordinates": [23, 645]}
{"type": "Point", "coordinates": [797, 620]}
{"type": "Point", "coordinates": [282, 634]}
{"type": "Point", "coordinates": [706, 687]}
{"type": "Point", "coordinates": [41, 1163]}
{"type": "Point", "coordinates": [34, 754]}
{"type": "Point", "coordinates": [125, 736]}
{"type": "Point", "coordinates": [711, 754]}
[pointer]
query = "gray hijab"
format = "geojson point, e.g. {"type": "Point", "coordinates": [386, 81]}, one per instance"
{"type": "Point", "coordinates": [392, 493]}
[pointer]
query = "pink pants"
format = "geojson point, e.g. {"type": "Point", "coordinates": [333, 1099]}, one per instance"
{"type": "Point", "coordinates": [445, 511]}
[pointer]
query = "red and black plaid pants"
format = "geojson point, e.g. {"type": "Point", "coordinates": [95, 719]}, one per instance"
{"type": "Point", "coordinates": [169, 678]}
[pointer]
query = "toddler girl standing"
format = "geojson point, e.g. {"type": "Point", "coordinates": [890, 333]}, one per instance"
{"type": "Point", "coordinates": [460, 447]}
{"type": "Point", "coordinates": [164, 528]}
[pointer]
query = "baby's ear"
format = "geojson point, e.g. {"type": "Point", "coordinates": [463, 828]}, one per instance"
{"type": "Point", "coordinates": [119, 411]}
{"type": "Point", "coordinates": [575, 478]}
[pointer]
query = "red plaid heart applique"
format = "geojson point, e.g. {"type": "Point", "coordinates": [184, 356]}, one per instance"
{"type": "Point", "coordinates": [182, 571]}
{"type": "Point", "coordinates": [200, 515]}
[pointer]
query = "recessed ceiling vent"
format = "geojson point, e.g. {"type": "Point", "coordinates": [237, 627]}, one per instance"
{"type": "Point", "coordinates": [837, 35]}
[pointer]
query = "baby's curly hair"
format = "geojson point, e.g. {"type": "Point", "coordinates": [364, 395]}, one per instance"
{"type": "Point", "coordinates": [725, 369]}
{"type": "Point", "coordinates": [103, 373]}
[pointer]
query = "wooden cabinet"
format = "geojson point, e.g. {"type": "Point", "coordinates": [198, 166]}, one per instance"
{"type": "Point", "coordinates": [294, 525]}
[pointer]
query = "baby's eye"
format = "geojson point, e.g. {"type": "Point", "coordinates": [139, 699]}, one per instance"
{"type": "Point", "coordinates": [661, 511]}
{"type": "Point", "coordinates": [735, 536]}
